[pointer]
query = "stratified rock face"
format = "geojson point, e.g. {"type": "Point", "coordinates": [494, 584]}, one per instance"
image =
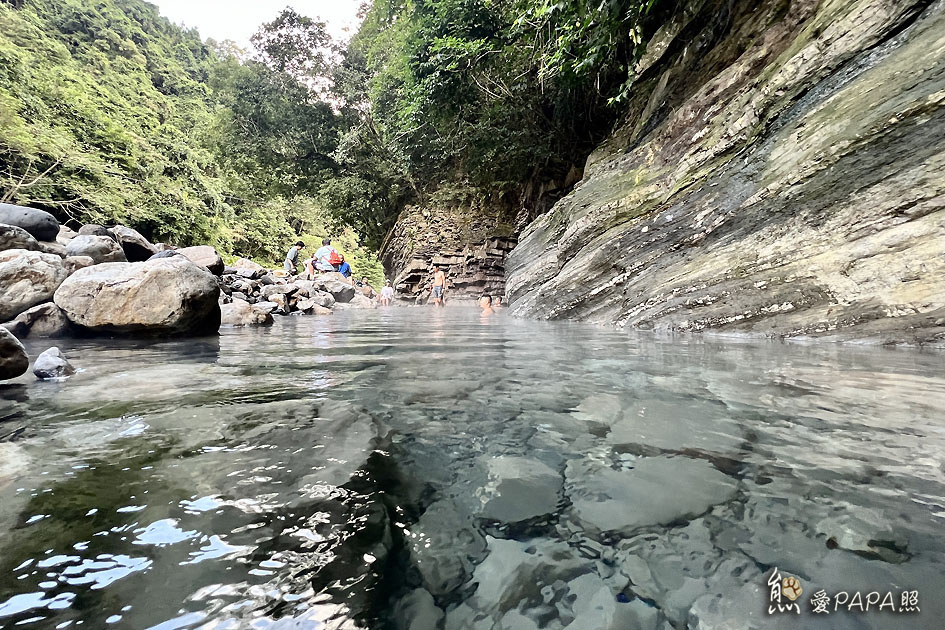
{"type": "Point", "coordinates": [101, 249]}
{"type": "Point", "coordinates": [779, 172]}
{"type": "Point", "coordinates": [469, 244]}
{"type": "Point", "coordinates": [167, 295]}
{"type": "Point", "coordinates": [205, 256]}
{"type": "Point", "coordinates": [42, 225]}
{"type": "Point", "coordinates": [13, 358]}
{"type": "Point", "coordinates": [27, 278]}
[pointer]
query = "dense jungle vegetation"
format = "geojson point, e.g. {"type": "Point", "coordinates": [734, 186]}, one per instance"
{"type": "Point", "coordinates": [110, 113]}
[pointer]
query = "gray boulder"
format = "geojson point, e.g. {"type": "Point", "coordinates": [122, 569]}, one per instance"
{"type": "Point", "coordinates": [27, 278]}
{"type": "Point", "coordinates": [13, 237]}
{"type": "Point", "coordinates": [74, 263]}
{"type": "Point", "coordinates": [65, 235]}
{"type": "Point", "coordinates": [101, 249]}
{"type": "Point", "coordinates": [242, 313]}
{"type": "Point", "coordinates": [136, 247]}
{"type": "Point", "coordinates": [42, 225]}
{"type": "Point", "coordinates": [13, 358]}
{"type": "Point", "coordinates": [278, 289]}
{"type": "Point", "coordinates": [166, 253]}
{"type": "Point", "coordinates": [269, 307]}
{"type": "Point", "coordinates": [205, 256]}
{"type": "Point", "coordinates": [52, 364]}
{"type": "Point", "coordinates": [168, 295]}
{"type": "Point", "coordinates": [341, 291]}
{"type": "Point", "coordinates": [43, 320]}
{"type": "Point", "coordinates": [93, 229]}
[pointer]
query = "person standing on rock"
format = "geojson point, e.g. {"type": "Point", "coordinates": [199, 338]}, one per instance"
{"type": "Point", "coordinates": [387, 294]}
{"type": "Point", "coordinates": [292, 258]}
{"type": "Point", "coordinates": [439, 285]}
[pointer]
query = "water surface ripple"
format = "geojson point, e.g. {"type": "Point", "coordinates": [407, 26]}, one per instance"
{"type": "Point", "coordinates": [411, 468]}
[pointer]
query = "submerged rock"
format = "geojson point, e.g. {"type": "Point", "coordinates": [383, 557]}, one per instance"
{"type": "Point", "coordinates": [13, 358]}
{"type": "Point", "coordinates": [169, 295]}
{"type": "Point", "coordinates": [52, 364]}
{"type": "Point", "coordinates": [520, 489]}
{"type": "Point", "coordinates": [242, 313]}
{"type": "Point", "coordinates": [656, 491]}
{"type": "Point", "coordinates": [39, 223]}
{"type": "Point", "coordinates": [101, 249]}
{"type": "Point", "coordinates": [27, 278]}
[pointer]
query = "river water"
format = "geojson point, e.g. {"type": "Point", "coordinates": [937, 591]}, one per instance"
{"type": "Point", "coordinates": [413, 468]}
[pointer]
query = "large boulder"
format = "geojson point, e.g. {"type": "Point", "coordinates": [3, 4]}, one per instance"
{"type": "Point", "coordinates": [43, 320]}
{"type": "Point", "coordinates": [13, 237]}
{"type": "Point", "coordinates": [136, 247]}
{"type": "Point", "coordinates": [249, 269]}
{"type": "Point", "coordinates": [52, 364]}
{"type": "Point", "coordinates": [13, 358]}
{"type": "Point", "coordinates": [27, 278]}
{"type": "Point", "coordinates": [205, 256]}
{"type": "Point", "coordinates": [42, 225]}
{"type": "Point", "coordinates": [168, 295]}
{"type": "Point", "coordinates": [242, 313]}
{"type": "Point", "coordinates": [101, 249]}
{"type": "Point", "coordinates": [341, 291]}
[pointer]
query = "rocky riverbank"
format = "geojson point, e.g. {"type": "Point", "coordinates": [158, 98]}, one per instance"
{"type": "Point", "coordinates": [778, 173]}
{"type": "Point", "coordinates": [57, 282]}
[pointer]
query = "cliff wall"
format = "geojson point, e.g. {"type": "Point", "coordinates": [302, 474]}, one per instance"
{"type": "Point", "coordinates": [780, 171]}
{"type": "Point", "coordinates": [469, 243]}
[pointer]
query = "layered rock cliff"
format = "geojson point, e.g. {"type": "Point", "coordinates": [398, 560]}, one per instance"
{"type": "Point", "coordinates": [469, 243]}
{"type": "Point", "coordinates": [780, 171]}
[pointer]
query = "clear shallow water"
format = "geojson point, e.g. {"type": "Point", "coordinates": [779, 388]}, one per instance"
{"type": "Point", "coordinates": [395, 467]}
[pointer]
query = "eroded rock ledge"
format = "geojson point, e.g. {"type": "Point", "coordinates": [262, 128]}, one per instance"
{"type": "Point", "coordinates": [781, 171]}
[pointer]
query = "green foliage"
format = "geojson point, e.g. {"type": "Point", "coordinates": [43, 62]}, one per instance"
{"type": "Point", "coordinates": [109, 113]}
{"type": "Point", "coordinates": [496, 96]}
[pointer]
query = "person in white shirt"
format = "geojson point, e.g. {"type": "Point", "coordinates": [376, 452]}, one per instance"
{"type": "Point", "coordinates": [387, 294]}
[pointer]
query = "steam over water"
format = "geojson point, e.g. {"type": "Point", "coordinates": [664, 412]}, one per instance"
{"type": "Point", "coordinates": [412, 468]}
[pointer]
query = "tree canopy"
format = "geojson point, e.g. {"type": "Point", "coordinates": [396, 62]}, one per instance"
{"type": "Point", "coordinates": [110, 113]}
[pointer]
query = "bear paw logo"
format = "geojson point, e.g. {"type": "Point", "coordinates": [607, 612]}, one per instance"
{"type": "Point", "coordinates": [791, 587]}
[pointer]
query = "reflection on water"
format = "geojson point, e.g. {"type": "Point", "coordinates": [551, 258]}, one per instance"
{"type": "Point", "coordinates": [411, 468]}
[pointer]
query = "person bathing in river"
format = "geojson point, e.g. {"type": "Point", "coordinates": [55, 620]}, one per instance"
{"type": "Point", "coordinates": [325, 255]}
{"type": "Point", "coordinates": [387, 294]}
{"type": "Point", "coordinates": [439, 285]}
{"type": "Point", "coordinates": [292, 258]}
{"type": "Point", "coordinates": [485, 303]}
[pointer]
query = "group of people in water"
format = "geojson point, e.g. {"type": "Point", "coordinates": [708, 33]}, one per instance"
{"type": "Point", "coordinates": [327, 259]}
